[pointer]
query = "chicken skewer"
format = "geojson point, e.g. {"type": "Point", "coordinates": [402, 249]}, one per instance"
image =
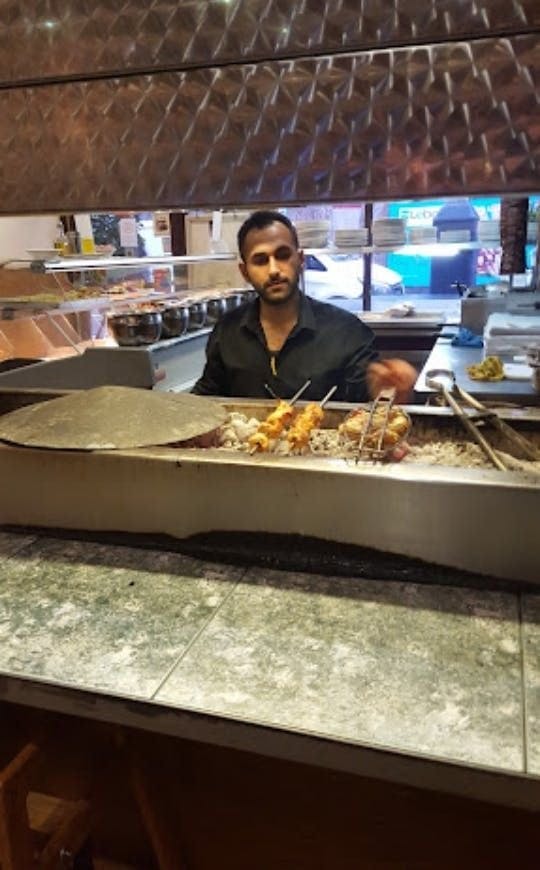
{"type": "Point", "coordinates": [309, 419]}
{"type": "Point", "coordinates": [272, 427]}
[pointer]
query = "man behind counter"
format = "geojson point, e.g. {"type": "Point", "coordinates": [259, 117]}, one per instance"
{"type": "Point", "coordinates": [284, 337]}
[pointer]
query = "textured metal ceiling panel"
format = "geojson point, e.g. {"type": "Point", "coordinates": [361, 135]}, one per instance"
{"type": "Point", "coordinates": [411, 122]}
{"type": "Point", "coordinates": [83, 38]}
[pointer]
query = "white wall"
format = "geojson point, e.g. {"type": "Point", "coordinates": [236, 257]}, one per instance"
{"type": "Point", "coordinates": [17, 234]}
{"type": "Point", "coordinates": [216, 275]}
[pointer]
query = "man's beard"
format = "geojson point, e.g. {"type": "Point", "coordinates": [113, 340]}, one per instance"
{"type": "Point", "coordinates": [265, 292]}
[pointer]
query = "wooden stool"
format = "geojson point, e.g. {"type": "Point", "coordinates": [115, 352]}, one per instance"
{"type": "Point", "coordinates": [37, 830]}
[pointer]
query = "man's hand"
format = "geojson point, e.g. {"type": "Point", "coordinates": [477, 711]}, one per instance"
{"type": "Point", "coordinates": [390, 373]}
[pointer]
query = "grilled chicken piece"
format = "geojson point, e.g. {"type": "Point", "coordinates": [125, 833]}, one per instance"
{"type": "Point", "coordinates": [309, 419]}
{"type": "Point", "coordinates": [272, 427]}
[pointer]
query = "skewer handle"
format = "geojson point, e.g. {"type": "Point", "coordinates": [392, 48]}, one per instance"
{"type": "Point", "coordinates": [328, 396]}
{"type": "Point", "coordinates": [300, 392]}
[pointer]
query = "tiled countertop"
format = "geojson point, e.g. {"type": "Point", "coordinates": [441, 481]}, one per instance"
{"type": "Point", "coordinates": [429, 672]}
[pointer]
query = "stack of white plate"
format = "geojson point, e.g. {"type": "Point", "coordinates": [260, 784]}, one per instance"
{"type": "Point", "coordinates": [489, 231]}
{"type": "Point", "coordinates": [313, 234]}
{"type": "Point", "coordinates": [352, 238]}
{"type": "Point", "coordinates": [506, 333]}
{"type": "Point", "coordinates": [422, 235]}
{"type": "Point", "coordinates": [455, 236]}
{"type": "Point", "coordinates": [389, 232]}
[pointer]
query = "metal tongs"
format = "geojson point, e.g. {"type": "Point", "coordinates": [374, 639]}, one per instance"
{"type": "Point", "coordinates": [454, 394]}
{"type": "Point", "coordinates": [384, 400]}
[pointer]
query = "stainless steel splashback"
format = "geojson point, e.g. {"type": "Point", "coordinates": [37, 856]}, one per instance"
{"type": "Point", "coordinates": [67, 38]}
{"type": "Point", "coordinates": [158, 104]}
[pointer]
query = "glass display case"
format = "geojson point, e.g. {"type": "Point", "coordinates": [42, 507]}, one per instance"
{"type": "Point", "coordinates": [369, 259]}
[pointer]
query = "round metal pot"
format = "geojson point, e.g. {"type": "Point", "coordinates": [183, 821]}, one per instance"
{"type": "Point", "coordinates": [215, 308]}
{"type": "Point", "coordinates": [234, 300]}
{"type": "Point", "coordinates": [136, 327]}
{"type": "Point", "coordinates": [197, 316]}
{"type": "Point", "coordinates": [175, 321]}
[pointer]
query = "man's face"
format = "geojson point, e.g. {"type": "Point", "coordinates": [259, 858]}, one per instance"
{"type": "Point", "coordinates": [272, 263]}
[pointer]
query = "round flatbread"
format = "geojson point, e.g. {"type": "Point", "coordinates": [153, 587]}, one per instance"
{"type": "Point", "coordinates": [110, 418]}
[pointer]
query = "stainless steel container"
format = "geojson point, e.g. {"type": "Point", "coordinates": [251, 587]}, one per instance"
{"type": "Point", "coordinates": [175, 321]}
{"type": "Point", "coordinates": [234, 300]}
{"type": "Point", "coordinates": [215, 309]}
{"type": "Point", "coordinates": [136, 327]}
{"type": "Point", "coordinates": [197, 316]}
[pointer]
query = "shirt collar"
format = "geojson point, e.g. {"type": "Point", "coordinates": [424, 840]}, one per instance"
{"type": "Point", "coordinates": [306, 317]}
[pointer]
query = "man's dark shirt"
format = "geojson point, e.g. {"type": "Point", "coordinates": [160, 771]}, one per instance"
{"type": "Point", "coordinates": [328, 345]}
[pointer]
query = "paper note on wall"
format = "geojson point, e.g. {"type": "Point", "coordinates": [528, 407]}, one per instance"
{"type": "Point", "coordinates": [128, 232]}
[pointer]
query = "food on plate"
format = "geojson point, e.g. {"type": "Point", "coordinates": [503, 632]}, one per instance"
{"type": "Point", "coordinates": [310, 418]}
{"type": "Point", "coordinates": [490, 369]}
{"type": "Point", "coordinates": [51, 298]}
{"type": "Point", "coordinates": [387, 427]}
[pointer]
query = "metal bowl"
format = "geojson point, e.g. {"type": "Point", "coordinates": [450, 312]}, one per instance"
{"type": "Point", "coordinates": [215, 309]}
{"type": "Point", "coordinates": [136, 327]}
{"type": "Point", "coordinates": [234, 300]}
{"type": "Point", "coordinates": [197, 315]}
{"type": "Point", "coordinates": [175, 320]}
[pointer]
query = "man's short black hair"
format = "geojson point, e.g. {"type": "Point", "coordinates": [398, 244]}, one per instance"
{"type": "Point", "coordinates": [259, 220]}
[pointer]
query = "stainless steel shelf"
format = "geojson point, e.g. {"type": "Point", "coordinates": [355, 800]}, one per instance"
{"type": "Point", "coordinates": [429, 249]}
{"type": "Point", "coordinates": [91, 264]}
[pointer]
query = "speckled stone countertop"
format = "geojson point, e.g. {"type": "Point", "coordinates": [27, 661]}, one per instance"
{"type": "Point", "coordinates": [435, 672]}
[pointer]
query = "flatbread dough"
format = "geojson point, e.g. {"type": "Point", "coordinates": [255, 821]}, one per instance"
{"type": "Point", "coordinates": [109, 418]}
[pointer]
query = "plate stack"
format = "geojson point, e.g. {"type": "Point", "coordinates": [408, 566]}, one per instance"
{"type": "Point", "coordinates": [358, 238]}
{"type": "Point", "coordinates": [506, 333]}
{"type": "Point", "coordinates": [313, 234]}
{"type": "Point", "coordinates": [422, 235]}
{"type": "Point", "coordinates": [389, 232]}
{"type": "Point", "coordinates": [489, 231]}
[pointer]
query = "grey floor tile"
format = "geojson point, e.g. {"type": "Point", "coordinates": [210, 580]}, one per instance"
{"type": "Point", "coordinates": [531, 646]}
{"type": "Point", "coordinates": [433, 670]}
{"type": "Point", "coordinates": [10, 542]}
{"type": "Point", "coordinates": [101, 617]}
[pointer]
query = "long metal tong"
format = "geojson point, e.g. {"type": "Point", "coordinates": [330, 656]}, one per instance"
{"type": "Point", "coordinates": [435, 379]}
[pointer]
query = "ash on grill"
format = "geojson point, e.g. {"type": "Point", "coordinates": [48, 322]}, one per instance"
{"type": "Point", "coordinates": [427, 444]}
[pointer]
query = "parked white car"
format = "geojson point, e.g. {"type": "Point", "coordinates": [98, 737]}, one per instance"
{"type": "Point", "coordinates": [334, 276]}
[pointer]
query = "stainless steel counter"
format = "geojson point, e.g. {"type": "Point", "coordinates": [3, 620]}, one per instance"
{"type": "Point", "coordinates": [445, 356]}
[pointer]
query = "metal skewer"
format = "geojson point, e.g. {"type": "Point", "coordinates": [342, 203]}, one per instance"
{"type": "Point", "coordinates": [328, 396]}
{"type": "Point", "coordinates": [296, 396]}
{"type": "Point", "coordinates": [290, 402]}
{"type": "Point", "coordinates": [300, 392]}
